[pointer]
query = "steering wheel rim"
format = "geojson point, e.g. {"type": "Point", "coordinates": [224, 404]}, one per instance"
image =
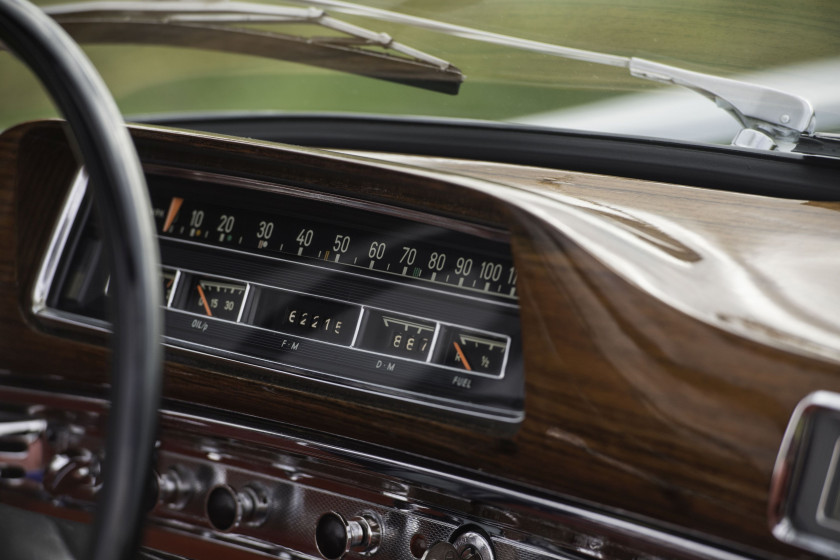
{"type": "Point", "coordinates": [121, 196]}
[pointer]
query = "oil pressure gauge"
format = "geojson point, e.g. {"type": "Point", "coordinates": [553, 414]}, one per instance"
{"type": "Point", "coordinates": [217, 298]}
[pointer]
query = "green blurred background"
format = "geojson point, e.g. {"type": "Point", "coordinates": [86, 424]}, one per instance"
{"type": "Point", "coordinates": [724, 37]}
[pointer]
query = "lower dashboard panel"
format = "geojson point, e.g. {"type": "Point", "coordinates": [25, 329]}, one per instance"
{"type": "Point", "coordinates": [227, 488]}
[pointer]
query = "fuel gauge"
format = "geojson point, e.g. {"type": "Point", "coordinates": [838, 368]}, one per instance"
{"type": "Point", "coordinates": [217, 298]}
{"type": "Point", "coordinates": [472, 351]}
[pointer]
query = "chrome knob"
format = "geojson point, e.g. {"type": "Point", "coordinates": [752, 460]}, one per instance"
{"type": "Point", "coordinates": [175, 487]}
{"type": "Point", "coordinates": [441, 551]}
{"type": "Point", "coordinates": [226, 508]}
{"type": "Point", "coordinates": [335, 536]}
{"type": "Point", "coordinates": [74, 475]}
{"type": "Point", "coordinates": [472, 545]}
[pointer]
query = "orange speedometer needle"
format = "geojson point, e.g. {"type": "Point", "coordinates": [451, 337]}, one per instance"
{"type": "Point", "coordinates": [463, 358]}
{"type": "Point", "coordinates": [204, 300]}
{"type": "Point", "coordinates": [174, 206]}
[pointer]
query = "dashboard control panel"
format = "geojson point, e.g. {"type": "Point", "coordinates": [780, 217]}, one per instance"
{"type": "Point", "coordinates": [380, 300]}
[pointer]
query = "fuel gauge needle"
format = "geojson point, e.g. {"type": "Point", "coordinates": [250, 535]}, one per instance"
{"type": "Point", "coordinates": [204, 300]}
{"type": "Point", "coordinates": [461, 355]}
{"type": "Point", "coordinates": [174, 207]}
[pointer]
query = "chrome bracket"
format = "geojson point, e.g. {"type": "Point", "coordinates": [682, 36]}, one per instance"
{"type": "Point", "coordinates": [771, 119]}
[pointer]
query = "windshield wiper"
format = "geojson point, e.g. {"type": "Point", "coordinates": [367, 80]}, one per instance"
{"type": "Point", "coordinates": [212, 25]}
{"type": "Point", "coordinates": [770, 119]}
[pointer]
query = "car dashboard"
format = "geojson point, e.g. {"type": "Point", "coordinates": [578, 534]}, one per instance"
{"type": "Point", "coordinates": [392, 355]}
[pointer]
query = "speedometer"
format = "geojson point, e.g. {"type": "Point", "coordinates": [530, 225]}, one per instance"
{"type": "Point", "coordinates": [352, 240]}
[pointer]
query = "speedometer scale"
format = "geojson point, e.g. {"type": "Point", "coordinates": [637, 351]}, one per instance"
{"type": "Point", "coordinates": [398, 249]}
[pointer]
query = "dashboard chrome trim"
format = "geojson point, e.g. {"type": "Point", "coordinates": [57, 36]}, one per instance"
{"type": "Point", "coordinates": [822, 518]}
{"type": "Point", "coordinates": [782, 498]}
{"type": "Point", "coordinates": [58, 240]}
{"type": "Point", "coordinates": [583, 531]}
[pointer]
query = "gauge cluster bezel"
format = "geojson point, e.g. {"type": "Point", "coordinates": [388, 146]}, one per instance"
{"type": "Point", "coordinates": [435, 382]}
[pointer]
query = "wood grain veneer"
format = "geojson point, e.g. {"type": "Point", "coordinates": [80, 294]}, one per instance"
{"type": "Point", "coordinates": [630, 403]}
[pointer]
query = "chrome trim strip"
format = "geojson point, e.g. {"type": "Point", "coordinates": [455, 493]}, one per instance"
{"type": "Point", "coordinates": [58, 239]}
{"type": "Point", "coordinates": [244, 302]}
{"type": "Point", "coordinates": [780, 504]}
{"type": "Point", "coordinates": [433, 344]}
{"type": "Point", "coordinates": [822, 518]}
{"type": "Point", "coordinates": [175, 282]}
{"type": "Point", "coordinates": [358, 326]}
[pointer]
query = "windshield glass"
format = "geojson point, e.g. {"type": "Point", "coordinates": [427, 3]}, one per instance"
{"type": "Point", "coordinates": [792, 46]}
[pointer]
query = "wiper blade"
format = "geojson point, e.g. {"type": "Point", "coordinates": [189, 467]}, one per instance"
{"type": "Point", "coordinates": [770, 119]}
{"type": "Point", "coordinates": [211, 25]}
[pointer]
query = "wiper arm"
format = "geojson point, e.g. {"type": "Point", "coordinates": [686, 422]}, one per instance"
{"type": "Point", "coordinates": [210, 25]}
{"type": "Point", "coordinates": [770, 119]}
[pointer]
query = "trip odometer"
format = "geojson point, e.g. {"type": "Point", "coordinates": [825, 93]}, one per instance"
{"type": "Point", "coordinates": [347, 238]}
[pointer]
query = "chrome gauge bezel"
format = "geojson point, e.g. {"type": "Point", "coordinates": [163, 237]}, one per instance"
{"type": "Point", "coordinates": [455, 400]}
{"type": "Point", "coordinates": [805, 474]}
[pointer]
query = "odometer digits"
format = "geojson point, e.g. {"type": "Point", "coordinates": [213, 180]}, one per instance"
{"type": "Point", "coordinates": [315, 318]}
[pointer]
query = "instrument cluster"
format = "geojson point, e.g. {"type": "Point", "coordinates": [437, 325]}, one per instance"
{"type": "Point", "coordinates": [376, 299]}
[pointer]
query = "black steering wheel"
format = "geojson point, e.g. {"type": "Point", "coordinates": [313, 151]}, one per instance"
{"type": "Point", "coordinates": [120, 193]}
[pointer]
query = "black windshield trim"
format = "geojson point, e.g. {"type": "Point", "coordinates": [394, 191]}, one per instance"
{"type": "Point", "coordinates": [775, 174]}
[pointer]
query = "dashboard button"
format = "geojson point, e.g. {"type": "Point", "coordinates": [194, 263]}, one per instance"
{"type": "Point", "coordinates": [335, 536]}
{"type": "Point", "coordinates": [227, 508]}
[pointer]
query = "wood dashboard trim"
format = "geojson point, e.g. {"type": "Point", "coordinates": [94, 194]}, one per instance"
{"type": "Point", "coordinates": [631, 403]}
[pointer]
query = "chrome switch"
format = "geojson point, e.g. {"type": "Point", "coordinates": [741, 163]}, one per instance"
{"type": "Point", "coordinates": [335, 536]}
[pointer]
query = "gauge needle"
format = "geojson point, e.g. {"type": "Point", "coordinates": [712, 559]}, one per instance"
{"type": "Point", "coordinates": [204, 300]}
{"type": "Point", "coordinates": [461, 355]}
{"type": "Point", "coordinates": [174, 206]}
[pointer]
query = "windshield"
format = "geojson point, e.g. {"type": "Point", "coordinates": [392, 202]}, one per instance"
{"type": "Point", "coordinates": [791, 46]}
